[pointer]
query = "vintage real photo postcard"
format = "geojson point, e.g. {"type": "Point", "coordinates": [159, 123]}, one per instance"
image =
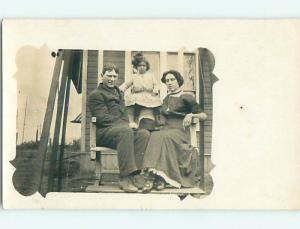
{"type": "Point", "coordinates": [151, 114]}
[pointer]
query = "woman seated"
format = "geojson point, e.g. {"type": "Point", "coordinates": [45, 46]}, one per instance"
{"type": "Point", "coordinates": [169, 157]}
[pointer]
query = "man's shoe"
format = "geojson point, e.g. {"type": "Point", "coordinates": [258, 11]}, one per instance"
{"type": "Point", "coordinates": [138, 181]}
{"type": "Point", "coordinates": [126, 185]}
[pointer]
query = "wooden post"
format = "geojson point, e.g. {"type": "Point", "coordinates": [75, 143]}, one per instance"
{"type": "Point", "coordinates": [201, 102]}
{"type": "Point", "coordinates": [83, 159]}
{"type": "Point", "coordinates": [84, 98]}
{"type": "Point", "coordinates": [63, 137]}
{"type": "Point", "coordinates": [57, 128]}
{"type": "Point", "coordinates": [43, 145]}
{"type": "Point", "coordinates": [197, 76]}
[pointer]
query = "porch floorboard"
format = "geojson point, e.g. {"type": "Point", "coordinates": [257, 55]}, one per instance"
{"type": "Point", "coordinates": [116, 189]}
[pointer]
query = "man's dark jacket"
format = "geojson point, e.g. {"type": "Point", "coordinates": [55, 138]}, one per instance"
{"type": "Point", "coordinates": [107, 105]}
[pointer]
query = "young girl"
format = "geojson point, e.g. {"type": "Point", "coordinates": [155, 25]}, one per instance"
{"type": "Point", "coordinates": [144, 91]}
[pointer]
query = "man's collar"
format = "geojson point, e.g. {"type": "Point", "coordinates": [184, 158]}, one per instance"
{"type": "Point", "coordinates": [101, 85]}
{"type": "Point", "coordinates": [114, 89]}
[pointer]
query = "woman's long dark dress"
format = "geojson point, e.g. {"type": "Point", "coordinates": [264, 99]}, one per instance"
{"type": "Point", "coordinates": [169, 153]}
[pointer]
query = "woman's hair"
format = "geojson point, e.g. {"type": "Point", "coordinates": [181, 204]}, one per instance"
{"type": "Point", "coordinates": [176, 74]}
{"type": "Point", "coordinates": [138, 58]}
{"type": "Point", "coordinates": [109, 67]}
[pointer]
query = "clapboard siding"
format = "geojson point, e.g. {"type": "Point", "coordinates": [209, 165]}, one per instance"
{"type": "Point", "coordinates": [115, 57]}
{"type": "Point", "coordinates": [207, 65]}
{"type": "Point", "coordinates": [92, 82]}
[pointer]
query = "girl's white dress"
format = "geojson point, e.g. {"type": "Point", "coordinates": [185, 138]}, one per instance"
{"type": "Point", "coordinates": [142, 88]}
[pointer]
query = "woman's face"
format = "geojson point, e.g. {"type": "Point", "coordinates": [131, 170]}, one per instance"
{"type": "Point", "coordinates": [172, 83]}
{"type": "Point", "coordinates": [142, 67]}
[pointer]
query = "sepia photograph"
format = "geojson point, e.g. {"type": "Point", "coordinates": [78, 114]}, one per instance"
{"type": "Point", "coordinates": [114, 121]}
{"type": "Point", "coordinates": [178, 114]}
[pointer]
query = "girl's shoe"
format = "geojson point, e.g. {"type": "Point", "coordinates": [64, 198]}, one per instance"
{"type": "Point", "coordinates": [160, 184]}
{"type": "Point", "coordinates": [149, 183]}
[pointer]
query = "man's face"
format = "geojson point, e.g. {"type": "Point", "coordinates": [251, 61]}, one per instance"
{"type": "Point", "coordinates": [110, 78]}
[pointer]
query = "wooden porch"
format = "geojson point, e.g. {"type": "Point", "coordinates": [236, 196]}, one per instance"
{"type": "Point", "coordinates": [114, 188]}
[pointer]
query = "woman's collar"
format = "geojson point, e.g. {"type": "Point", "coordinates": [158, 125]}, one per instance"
{"type": "Point", "coordinates": [175, 92]}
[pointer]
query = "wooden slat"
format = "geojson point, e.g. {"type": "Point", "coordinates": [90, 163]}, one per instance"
{"type": "Point", "coordinates": [90, 88]}
{"type": "Point", "coordinates": [92, 136]}
{"type": "Point", "coordinates": [93, 68]}
{"type": "Point", "coordinates": [63, 137]}
{"type": "Point", "coordinates": [104, 150]}
{"type": "Point", "coordinates": [42, 150]}
{"type": "Point", "coordinates": [202, 127]}
{"type": "Point", "coordinates": [84, 98]}
{"type": "Point", "coordinates": [92, 84]}
{"type": "Point", "coordinates": [57, 128]}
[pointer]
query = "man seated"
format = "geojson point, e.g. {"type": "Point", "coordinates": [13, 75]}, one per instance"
{"type": "Point", "coordinates": [106, 103]}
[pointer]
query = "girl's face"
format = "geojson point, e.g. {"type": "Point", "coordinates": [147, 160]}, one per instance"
{"type": "Point", "coordinates": [172, 83]}
{"type": "Point", "coordinates": [142, 67]}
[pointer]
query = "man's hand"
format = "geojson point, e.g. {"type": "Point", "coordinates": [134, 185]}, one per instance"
{"type": "Point", "coordinates": [133, 125]}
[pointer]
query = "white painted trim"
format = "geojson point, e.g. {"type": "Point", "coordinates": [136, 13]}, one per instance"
{"type": "Point", "coordinates": [197, 82]}
{"type": "Point", "coordinates": [100, 64]}
{"type": "Point", "coordinates": [84, 98]}
{"type": "Point", "coordinates": [180, 61]}
{"type": "Point", "coordinates": [197, 77]}
{"type": "Point", "coordinates": [128, 68]}
{"type": "Point", "coordinates": [162, 68]}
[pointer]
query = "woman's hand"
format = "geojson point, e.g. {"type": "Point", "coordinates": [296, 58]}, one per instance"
{"type": "Point", "coordinates": [187, 120]}
{"type": "Point", "coordinates": [202, 116]}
